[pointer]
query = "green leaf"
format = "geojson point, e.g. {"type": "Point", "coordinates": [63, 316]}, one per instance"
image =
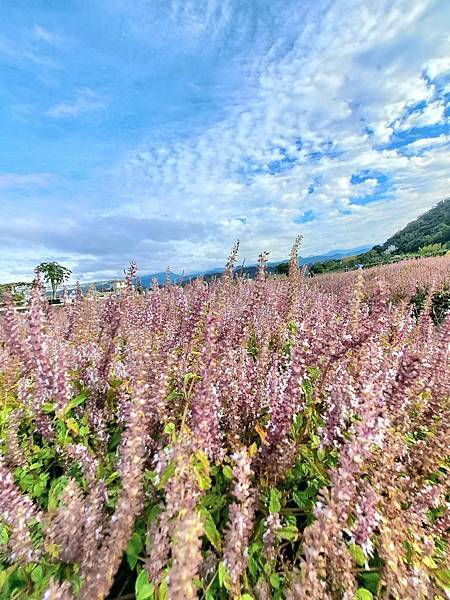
{"type": "Point", "coordinates": [6, 575]}
{"type": "Point", "coordinates": [37, 574]}
{"type": "Point", "coordinates": [173, 394]}
{"type": "Point", "coordinates": [444, 576]}
{"type": "Point", "coordinates": [247, 597]}
{"type": "Point", "coordinates": [203, 459]}
{"type": "Point", "coordinates": [363, 594]}
{"type": "Point", "coordinates": [429, 562]}
{"type": "Point", "coordinates": [211, 530]}
{"type": "Point", "coordinates": [197, 582]}
{"type": "Point", "coordinates": [170, 470]}
{"type": "Point", "coordinates": [143, 588]}
{"type": "Point", "coordinates": [3, 578]}
{"type": "Point", "coordinates": [224, 576]}
{"type": "Point", "coordinates": [200, 464]}
{"type": "Point", "coordinates": [291, 520]}
{"type": "Point", "coordinates": [213, 501]}
{"type": "Point", "coordinates": [72, 425]}
{"type": "Point", "coordinates": [274, 504]}
{"type": "Point", "coordinates": [19, 577]}
{"type": "Point", "coordinates": [315, 441]}
{"type": "Point", "coordinates": [357, 553]}
{"type": "Point", "coordinates": [135, 547]}
{"type": "Point", "coordinates": [114, 440]}
{"type": "Point", "coordinates": [169, 428]}
{"type": "Point", "coordinates": [321, 454]}
{"type": "Point", "coordinates": [275, 580]}
{"type": "Point", "coordinates": [188, 377]}
{"type": "Point", "coordinates": [4, 536]}
{"type": "Point", "coordinates": [227, 472]}
{"type": "Point", "coordinates": [289, 532]}
{"type": "Point", "coordinates": [253, 567]}
{"type": "Point", "coordinates": [371, 581]}
{"type": "Point", "coordinates": [39, 488]}
{"type": "Point", "coordinates": [292, 326]}
{"type": "Point", "coordinates": [300, 498]}
{"type": "Point", "coordinates": [56, 488]}
{"type": "Point", "coordinates": [163, 592]}
{"type": "Point", "coordinates": [76, 401]}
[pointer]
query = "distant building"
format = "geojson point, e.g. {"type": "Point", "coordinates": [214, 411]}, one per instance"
{"type": "Point", "coordinates": [109, 286]}
{"type": "Point", "coordinates": [118, 285]}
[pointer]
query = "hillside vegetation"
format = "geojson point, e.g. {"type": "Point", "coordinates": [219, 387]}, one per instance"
{"type": "Point", "coordinates": [428, 235]}
{"type": "Point", "coordinates": [433, 227]}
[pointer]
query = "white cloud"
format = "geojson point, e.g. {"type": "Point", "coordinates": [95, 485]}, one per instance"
{"type": "Point", "coordinates": [24, 52]}
{"type": "Point", "coordinates": [86, 101]}
{"type": "Point", "coordinates": [431, 114]}
{"type": "Point", "coordinates": [435, 66]}
{"type": "Point", "coordinates": [357, 67]}
{"type": "Point", "coordinates": [433, 144]}
{"type": "Point", "coordinates": [29, 180]}
{"type": "Point", "coordinates": [46, 36]}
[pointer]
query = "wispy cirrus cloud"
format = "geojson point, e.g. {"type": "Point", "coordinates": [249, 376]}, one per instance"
{"type": "Point", "coordinates": [85, 101]}
{"type": "Point", "coordinates": [24, 53]}
{"type": "Point", "coordinates": [47, 36]}
{"type": "Point", "coordinates": [10, 181]}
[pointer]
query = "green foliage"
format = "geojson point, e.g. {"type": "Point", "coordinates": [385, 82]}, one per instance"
{"type": "Point", "coordinates": [41, 478]}
{"type": "Point", "coordinates": [282, 269]}
{"type": "Point", "coordinates": [54, 273]}
{"type": "Point", "coordinates": [440, 303]}
{"type": "Point", "coordinates": [274, 504]}
{"type": "Point", "coordinates": [143, 588]}
{"type": "Point", "coordinates": [432, 249]}
{"type": "Point", "coordinates": [429, 235]}
{"type": "Point", "coordinates": [357, 554]}
{"type": "Point", "coordinates": [134, 550]}
{"type": "Point", "coordinates": [18, 296]}
{"type": "Point", "coordinates": [43, 475]}
{"type": "Point", "coordinates": [433, 227]}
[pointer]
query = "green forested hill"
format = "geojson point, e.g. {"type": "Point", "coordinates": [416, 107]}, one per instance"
{"type": "Point", "coordinates": [433, 227]}
{"type": "Point", "coordinates": [428, 235]}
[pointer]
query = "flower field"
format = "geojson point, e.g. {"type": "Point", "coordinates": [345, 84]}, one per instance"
{"type": "Point", "coordinates": [267, 438]}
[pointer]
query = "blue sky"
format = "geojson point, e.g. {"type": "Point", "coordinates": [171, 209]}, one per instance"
{"type": "Point", "coordinates": [162, 130]}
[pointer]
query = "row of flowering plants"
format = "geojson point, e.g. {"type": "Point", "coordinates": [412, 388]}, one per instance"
{"type": "Point", "coordinates": [246, 439]}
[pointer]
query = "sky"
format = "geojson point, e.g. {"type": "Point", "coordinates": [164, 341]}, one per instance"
{"type": "Point", "coordinates": [164, 130]}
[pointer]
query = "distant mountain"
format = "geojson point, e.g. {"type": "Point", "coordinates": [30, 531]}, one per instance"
{"type": "Point", "coordinates": [433, 227]}
{"type": "Point", "coordinates": [146, 280]}
{"type": "Point", "coordinates": [332, 255]}
{"type": "Point", "coordinates": [429, 233]}
{"type": "Point", "coordinates": [271, 266]}
{"type": "Point", "coordinates": [214, 270]}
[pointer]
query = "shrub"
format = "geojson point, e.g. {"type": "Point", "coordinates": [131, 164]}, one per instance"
{"type": "Point", "coordinates": [267, 438]}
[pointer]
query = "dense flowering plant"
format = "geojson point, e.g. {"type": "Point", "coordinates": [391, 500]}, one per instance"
{"type": "Point", "coordinates": [266, 438]}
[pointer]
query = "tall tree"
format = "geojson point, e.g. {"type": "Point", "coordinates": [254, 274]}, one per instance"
{"type": "Point", "coordinates": [54, 273]}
